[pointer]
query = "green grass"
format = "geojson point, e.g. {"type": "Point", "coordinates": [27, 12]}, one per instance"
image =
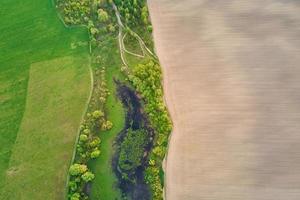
{"type": "Point", "coordinates": [56, 99]}
{"type": "Point", "coordinates": [30, 32]}
{"type": "Point", "coordinates": [104, 185]}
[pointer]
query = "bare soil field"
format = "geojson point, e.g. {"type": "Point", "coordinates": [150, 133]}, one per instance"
{"type": "Point", "coordinates": [232, 80]}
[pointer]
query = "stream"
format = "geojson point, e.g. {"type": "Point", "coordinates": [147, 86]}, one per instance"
{"type": "Point", "coordinates": [135, 120]}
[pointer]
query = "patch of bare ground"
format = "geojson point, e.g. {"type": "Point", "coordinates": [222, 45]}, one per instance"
{"type": "Point", "coordinates": [231, 79]}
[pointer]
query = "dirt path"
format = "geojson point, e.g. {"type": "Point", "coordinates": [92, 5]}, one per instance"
{"type": "Point", "coordinates": [122, 47]}
{"type": "Point", "coordinates": [231, 80]}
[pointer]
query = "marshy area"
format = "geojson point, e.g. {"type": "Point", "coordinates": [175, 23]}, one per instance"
{"type": "Point", "coordinates": [132, 145]}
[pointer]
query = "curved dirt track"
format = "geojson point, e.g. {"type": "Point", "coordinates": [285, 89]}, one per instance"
{"type": "Point", "coordinates": [232, 85]}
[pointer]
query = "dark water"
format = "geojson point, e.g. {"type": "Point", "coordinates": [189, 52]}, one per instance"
{"type": "Point", "coordinates": [135, 120]}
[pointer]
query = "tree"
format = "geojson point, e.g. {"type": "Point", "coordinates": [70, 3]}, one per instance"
{"type": "Point", "coordinates": [95, 153]}
{"type": "Point", "coordinates": [111, 28]}
{"type": "Point", "coordinates": [75, 196]}
{"type": "Point", "coordinates": [97, 114]}
{"type": "Point", "coordinates": [102, 15]}
{"type": "Point", "coordinates": [87, 176]}
{"type": "Point", "coordinates": [145, 15]}
{"type": "Point", "coordinates": [86, 131]}
{"type": "Point", "coordinates": [83, 138]}
{"type": "Point", "coordinates": [73, 185]}
{"type": "Point", "coordinates": [107, 125]}
{"type": "Point", "coordinates": [77, 169]}
{"type": "Point", "coordinates": [95, 142]}
{"type": "Point", "coordinates": [94, 31]}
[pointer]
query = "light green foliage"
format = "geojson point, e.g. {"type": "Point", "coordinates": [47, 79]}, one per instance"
{"type": "Point", "coordinates": [111, 28]}
{"type": "Point", "coordinates": [95, 142]}
{"type": "Point", "coordinates": [86, 131]}
{"type": "Point", "coordinates": [97, 114]}
{"type": "Point", "coordinates": [145, 15]}
{"type": "Point", "coordinates": [77, 169]}
{"type": "Point", "coordinates": [83, 138]}
{"type": "Point", "coordinates": [107, 125]}
{"type": "Point", "coordinates": [73, 185]}
{"type": "Point", "coordinates": [75, 196]}
{"type": "Point", "coordinates": [95, 153]}
{"type": "Point", "coordinates": [94, 31]}
{"type": "Point", "coordinates": [75, 11]}
{"type": "Point", "coordinates": [102, 15]}
{"type": "Point", "coordinates": [88, 176]}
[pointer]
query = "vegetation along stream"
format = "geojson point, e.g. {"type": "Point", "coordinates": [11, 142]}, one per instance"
{"type": "Point", "coordinates": [133, 145]}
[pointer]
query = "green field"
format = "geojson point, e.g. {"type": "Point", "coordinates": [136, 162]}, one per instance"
{"type": "Point", "coordinates": [30, 32]}
{"type": "Point", "coordinates": [56, 99]}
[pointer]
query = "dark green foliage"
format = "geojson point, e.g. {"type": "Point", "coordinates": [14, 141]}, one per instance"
{"type": "Point", "coordinates": [132, 150]}
{"type": "Point", "coordinates": [134, 12]}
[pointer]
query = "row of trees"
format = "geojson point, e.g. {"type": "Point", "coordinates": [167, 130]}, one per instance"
{"type": "Point", "coordinates": [90, 13]}
{"type": "Point", "coordinates": [146, 78]}
{"type": "Point", "coordinates": [88, 144]}
{"type": "Point", "coordinates": [95, 14]}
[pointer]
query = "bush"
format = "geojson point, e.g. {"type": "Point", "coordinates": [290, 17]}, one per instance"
{"type": "Point", "coordinates": [95, 142]}
{"type": "Point", "coordinates": [77, 169]}
{"type": "Point", "coordinates": [87, 176]}
{"type": "Point", "coordinates": [102, 15]}
{"type": "Point", "coordinates": [95, 153]}
{"type": "Point", "coordinates": [107, 125]}
{"type": "Point", "coordinates": [83, 138]}
{"type": "Point", "coordinates": [97, 114]}
{"type": "Point", "coordinates": [73, 185]}
{"type": "Point", "coordinates": [75, 196]}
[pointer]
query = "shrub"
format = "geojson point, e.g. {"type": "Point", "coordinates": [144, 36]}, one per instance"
{"type": "Point", "coordinates": [102, 15]}
{"type": "Point", "coordinates": [87, 176]}
{"type": "Point", "coordinates": [77, 169]}
{"type": "Point", "coordinates": [95, 153]}
{"type": "Point", "coordinates": [86, 131]}
{"type": "Point", "coordinates": [95, 142]}
{"type": "Point", "coordinates": [75, 196]}
{"type": "Point", "coordinates": [83, 138]}
{"type": "Point", "coordinates": [107, 125]}
{"type": "Point", "coordinates": [111, 28]}
{"type": "Point", "coordinates": [73, 185]}
{"type": "Point", "coordinates": [97, 114]}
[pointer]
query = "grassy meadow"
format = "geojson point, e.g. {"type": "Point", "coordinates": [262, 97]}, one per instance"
{"type": "Point", "coordinates": [31, 32]}
{"type": "Point", "coordinates": [104, 185]}
{"type": "Point", "coordinates": [56, 99]}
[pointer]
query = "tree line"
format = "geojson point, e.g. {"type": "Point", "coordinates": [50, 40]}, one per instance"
{"type": "Point", "coordinates": [146, 78]}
